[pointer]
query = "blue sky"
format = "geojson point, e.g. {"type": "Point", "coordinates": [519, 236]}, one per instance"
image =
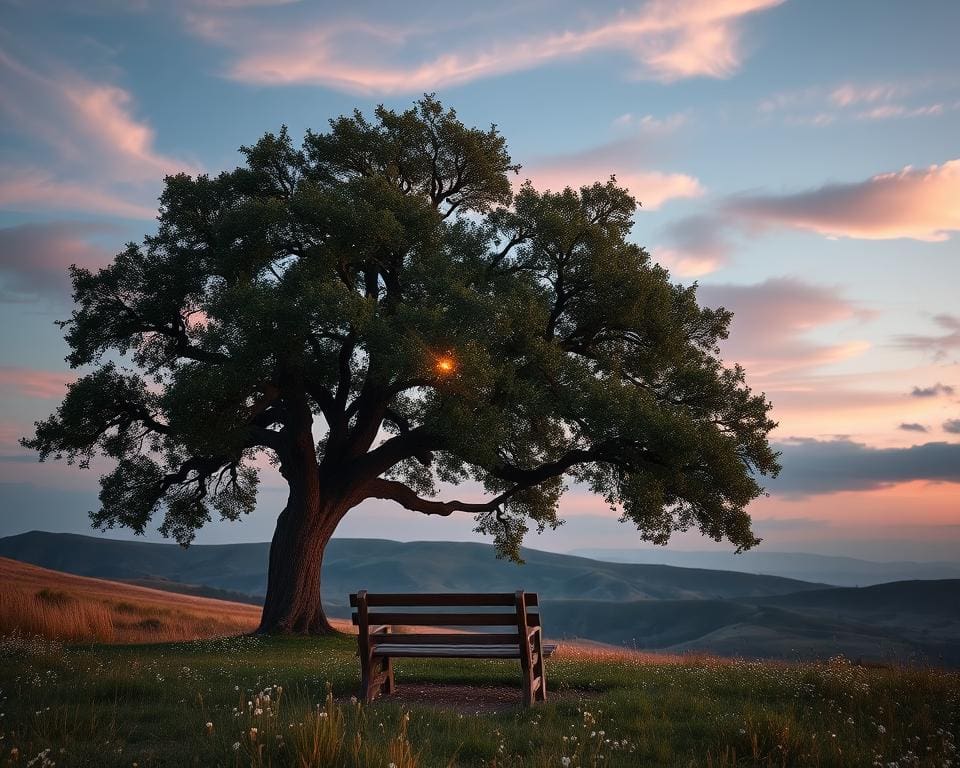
{"type": "Point", "coordinates": [800, 160]}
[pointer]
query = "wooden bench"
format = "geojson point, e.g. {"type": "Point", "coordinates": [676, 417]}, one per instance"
{"type": "Point", "coordinates": [518, 635]}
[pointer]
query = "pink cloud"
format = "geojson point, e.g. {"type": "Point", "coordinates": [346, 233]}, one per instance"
{"type": "Point", "coordinates": [34, 258]}
{"type": "Point", "coordinates": [695, 246]}
{"type": "Point", "coordinates": [821, 106]}
{"type": "Point", "coordinates": [30, 382]}
{"type": "Point", "coordinates": [921, 204]}
{"type": "Point", "coordinates": [651, 188]}
{"type": "Point", "coordinates": [851, 93]}
{"type": "Point", "coordinates": [28, 189]}
{"type": "Point", "coordinates": [667, 41]}
{"type": "Point", "coordinates": [108, 162]}
{"type": "Point", "coordinates": [771, 322]}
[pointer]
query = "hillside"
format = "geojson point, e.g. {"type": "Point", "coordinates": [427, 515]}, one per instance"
{"type": "Point", "coordinates": [376, 564]}
{"type": "Point", "coordinates": [637, 606]}
{"type": "Point", "coordinates": [39, 601]}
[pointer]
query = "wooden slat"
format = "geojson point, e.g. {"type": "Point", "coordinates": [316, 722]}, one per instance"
{"type": "Point", "coordinates": [449, 651]}
{"type": "Point", "coordinates": [442, 598]}
{"type": "Point", "coordinates": [459, 638]}
{"type": "Point", "coordinates": [446, 619]}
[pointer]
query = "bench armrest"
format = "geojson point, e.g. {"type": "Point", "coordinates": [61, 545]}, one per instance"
{"type": "Point", "coordinates": [532, 631]}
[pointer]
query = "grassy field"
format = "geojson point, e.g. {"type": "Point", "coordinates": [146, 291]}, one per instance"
{"type": "Point", "coordinates": [254, 701]}
{"type": "Point", "coordinates": [81, 686]}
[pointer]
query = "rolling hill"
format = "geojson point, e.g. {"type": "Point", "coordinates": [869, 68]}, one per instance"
{"type": "Point", "coordinates": [650, 607]}
{"type": "Point", "coordinates": [377, 564]}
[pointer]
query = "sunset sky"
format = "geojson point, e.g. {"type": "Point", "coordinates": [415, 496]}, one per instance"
{"type": "Point", "coordinates": [799, 159]}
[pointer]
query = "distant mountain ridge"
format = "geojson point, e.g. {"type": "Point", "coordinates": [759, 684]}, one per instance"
{"type": "Point", "coordinates": [382, 565]}
{"type": "Point", "coordinates": [830, 569]}
{"type": "Point", "coordinates": [659, 607]}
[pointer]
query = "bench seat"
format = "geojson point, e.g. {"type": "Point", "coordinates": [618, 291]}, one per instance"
{"type": "Point", "coordinates": [448, 651]}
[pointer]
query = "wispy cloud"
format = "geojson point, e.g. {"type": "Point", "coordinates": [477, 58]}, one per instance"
{"type": "Point", "coordinates": [915, 203]}
{"type": "Point", "coordinates": [652, 124]}
{"type": "Point", "coordinates": [693, 246]}
{"type": "Point", "coordinates": [937, 344]}
{"type": "Point", "coordinates": [106, 157]}
{"type": "Point", "coordinates": [34, 258]}
{"type": "Point", "coordinates": [31, 189]}
{"type": "Point", "coordinates": [952, 426]}
{"type": "Point", "coordinates": [771, 322]}
{"type": "Point", "coordinates": [820, 105]}
{"type": "Point", "coordinates": [30, 382]}
{"type": "Point", "coordinates": [664, 41]}
{"type": "Point", "coordinates": [624, 158]}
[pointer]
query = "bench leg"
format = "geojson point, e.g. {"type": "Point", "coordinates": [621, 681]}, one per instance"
{"type": "Point", "coordinates": [376, 678]}
{"type": "Point", "coordinates": [526, 668]}
{"type": "Point", "coordinates": [538, 669]}
{"type": "Point", "coordinates": [388, 686]}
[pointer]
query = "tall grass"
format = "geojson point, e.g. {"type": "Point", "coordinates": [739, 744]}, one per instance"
{"type": "Point", "coordinates": [36, 601]}
{"type": "Point", "coordinates": [279, 702]}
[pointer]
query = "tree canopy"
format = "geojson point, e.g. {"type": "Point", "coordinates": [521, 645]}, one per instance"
{"type": "Point", "coordinates": [379, 308]}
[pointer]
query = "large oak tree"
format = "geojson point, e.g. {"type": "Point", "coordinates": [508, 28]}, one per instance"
{"type": "Point", "coordinates": [378, 313]}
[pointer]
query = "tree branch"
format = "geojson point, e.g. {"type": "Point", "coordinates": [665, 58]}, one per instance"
{"type": "Point", "coordinates": [400, 493]}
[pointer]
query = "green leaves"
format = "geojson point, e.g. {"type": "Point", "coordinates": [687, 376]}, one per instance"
{"type": "Point", "coordinates": [307, 297]}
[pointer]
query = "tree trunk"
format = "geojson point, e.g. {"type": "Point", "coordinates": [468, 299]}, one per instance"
{"type": "Point", "coordinates": [292, 604]}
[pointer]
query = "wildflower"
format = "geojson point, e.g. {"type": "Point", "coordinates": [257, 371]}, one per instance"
{"type": "Point", "coordinates": [253, 734]}
{"type": "Point", "coordinates": [564, 761]}
{"type": "Point", "coordinates": [881, 729]}
{"type": "Point", "coordinates": [236, 746]}
{"type": "Point", "coordinates": [209, 727]}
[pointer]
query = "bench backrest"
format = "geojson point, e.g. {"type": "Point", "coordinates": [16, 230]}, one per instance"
{"type": "Point", "coordinates": [512, 621]}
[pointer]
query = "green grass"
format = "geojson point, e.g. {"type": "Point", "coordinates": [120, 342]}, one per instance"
{"type": "Point", "coordinates": [150, 705]}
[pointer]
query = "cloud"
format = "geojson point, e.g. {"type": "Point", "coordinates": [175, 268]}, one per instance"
{"type": "Point", "coordinates": [666, 41]}
{"type": "Point", "coordinates": [921, 204]}
{"type": "Point", "coordinates": [623, 158]}
{"type": "Point", "coordinates": [31, 189]}
{"type": "Point", "coordinates": [934, 391]}
{"type": "Point", "coordinates": [652, 124]}
{"type": "Point", "coordinates": [853, 93]}
{"type": "Point", "coordinates": [952, 426]}
{"type": "Point", "coordinates": [651, 188]}
{"type": "Point", "coordinates": [912, 427]}
{"type": "Point", "coordinates": [106, 157]}
{"type": "Point", "coordinates": [34, 258]}
{"type": "Point", "coordinates": [30, 382]}
{"type": "Point", "coordinates": [694, 246]}
{"type": "Point", "coordinates": [771, 320]}
{"type": "Point", "coordinates": [822, 105]}
{"type": "Point", "coordinates": [938, 345]}
{"type": "Point", "coordinates": [812, 467]}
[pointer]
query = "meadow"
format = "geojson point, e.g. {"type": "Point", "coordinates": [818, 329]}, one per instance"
{"type": "Point", "coordinates": [257, 701]}
{"type": "Point", "coordinates": [231, 699]}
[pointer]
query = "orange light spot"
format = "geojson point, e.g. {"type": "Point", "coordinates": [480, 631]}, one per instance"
{"type": "Point", "coordinates": [445, 365]}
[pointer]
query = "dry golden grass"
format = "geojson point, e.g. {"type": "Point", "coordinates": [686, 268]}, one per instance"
{"type": "Point", "coordinates": [61, 606]}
